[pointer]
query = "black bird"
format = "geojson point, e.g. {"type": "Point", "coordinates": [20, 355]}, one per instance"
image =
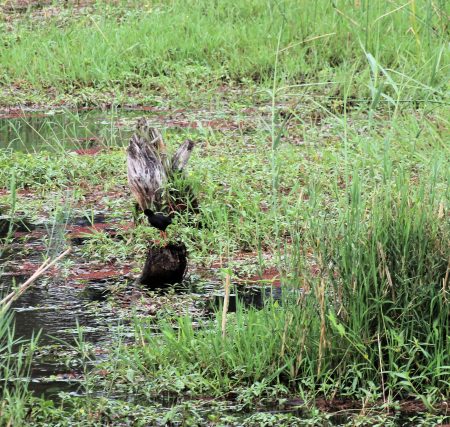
{"type": "Point", "coordinates": [159, 221]}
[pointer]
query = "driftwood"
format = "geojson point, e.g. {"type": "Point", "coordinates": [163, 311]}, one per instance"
{"type": "Point", "coordinates": [157, 182]}
{"type": "Point", "coordinates": [152, 176]}
{"type": "Point", "coordinates": [164, 266]}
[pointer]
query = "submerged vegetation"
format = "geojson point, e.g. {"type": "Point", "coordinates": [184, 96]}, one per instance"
{"type": "Point", "coordinates": [322, 173]}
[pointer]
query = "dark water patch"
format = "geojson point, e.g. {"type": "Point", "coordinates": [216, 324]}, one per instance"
{"type": "Point", "coordinates": [79, 229]}
{"type": "Point", "coordinates": [249, 296]}
{"type": "Point", "coordinates": [50, 390]}
{"type": "Point", "coordinates": [102, 283]}
{"type": "Point", "coordinates": [59, 310]}
{"type": "Point", "coordinates": [79, 235]}
{"type": "Point", "coordinates": [212, 294]}
{"type": "Point", "coordinates": [56, 309]}
{"type": "Point", "coordinates": [82, 221]}
{"type": "Point", "coordinates": [14, 224]}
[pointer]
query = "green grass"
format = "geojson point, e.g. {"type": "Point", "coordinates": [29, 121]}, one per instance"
{"type": "Point", "coordinates": [338, 178]}
{"type": "Point", "coordinates": [133, 47]}
{"type": "Point", "coordinates": [372, 323]}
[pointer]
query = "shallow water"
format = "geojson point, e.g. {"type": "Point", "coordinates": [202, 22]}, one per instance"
{"type": "Point", "coordinates": [64, 130]}
{"type": "Point", "coordinates": [85, 129]}
{"type": "Point", "coordinates": [52, 307]}
{"type": "Point", "coordinates": [56, 305]}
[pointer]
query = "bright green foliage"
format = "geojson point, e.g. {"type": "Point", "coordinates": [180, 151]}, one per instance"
{"type": "Point", "coordinates": [337, 176]}
{"type": "Point", "coordinates": [179, 44]}
{"type": "Point", "coordinates": [378, 323]}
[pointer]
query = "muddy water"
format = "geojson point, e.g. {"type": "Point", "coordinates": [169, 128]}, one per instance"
{"type": "Point", "coordinates": [54, 307]}
{"type": "Point", "coordinates": [57, 304]}
{"type": "Point", "coordinates": [53, 310]}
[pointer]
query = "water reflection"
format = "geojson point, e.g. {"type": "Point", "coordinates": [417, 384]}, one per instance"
{"type": "Point", "coordinates": [66, 130]}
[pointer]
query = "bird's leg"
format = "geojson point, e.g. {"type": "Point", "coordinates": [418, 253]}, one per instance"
{"type": "Point", "coordinates": [163, 235]}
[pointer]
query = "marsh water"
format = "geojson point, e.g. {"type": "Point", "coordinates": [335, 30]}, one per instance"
{"type": "Point", "coordinates": [61, 305]}
{"type": "Point", "coordinates": [87, 128]}
{"type": "Point", "coordinates": [58, 310]}
{"type": "Point", "coordinates": [65, 130]}
{"type": "Point", "coordinates": [80, 297]}
{"type": "Point", "coordinates": [76, 298]}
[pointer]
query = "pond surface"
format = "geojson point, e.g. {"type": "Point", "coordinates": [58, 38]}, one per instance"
{"type": "Point", "coordinates": [84, 129]}
{"type": "Point", "coordinates": [56, 306]}
{"type": "Point", "coordinates": [65, 130]}
{"type": "Point", "coordinates": [78, 296]}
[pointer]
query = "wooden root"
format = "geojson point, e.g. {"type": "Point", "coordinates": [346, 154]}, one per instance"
{"type": "Point", "coordinates": [164, 266]}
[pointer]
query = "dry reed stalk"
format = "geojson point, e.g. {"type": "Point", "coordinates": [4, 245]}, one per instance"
{"type": "Point", "coordinates": [300, 300]}
{"type": "Point", "coordinates": [445, 281]}
{"type": "Point", "coordinates": [299, 358]}
{"type": "Point", "coordinates": [283, 339]}
{"type": "Point", "coordinates": [387, 273]}
{"type": "Point", "coordinates": [441, 211]}
{"type": "Point", "coordinates": [322, 340]}
{"type": "Point", "coordinates": [225, 304]}
{"type": "Point", "coordinates": [391, 12]}
{"type": "Point", "coordinates": [347, 17]}
{"type": "Point", "coordinates": [35, 274]}
{"type": "Point", "coordinates": [6, 302]}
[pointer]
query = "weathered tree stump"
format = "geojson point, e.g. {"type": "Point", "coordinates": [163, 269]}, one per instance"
{"type": "Point", "coordinates": [158, 184]}
{"type": "Point", "coordinates": [164, 266]}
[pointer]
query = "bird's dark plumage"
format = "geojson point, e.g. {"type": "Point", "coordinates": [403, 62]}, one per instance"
{"type": "Point", "coordinates": [159, 221]}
